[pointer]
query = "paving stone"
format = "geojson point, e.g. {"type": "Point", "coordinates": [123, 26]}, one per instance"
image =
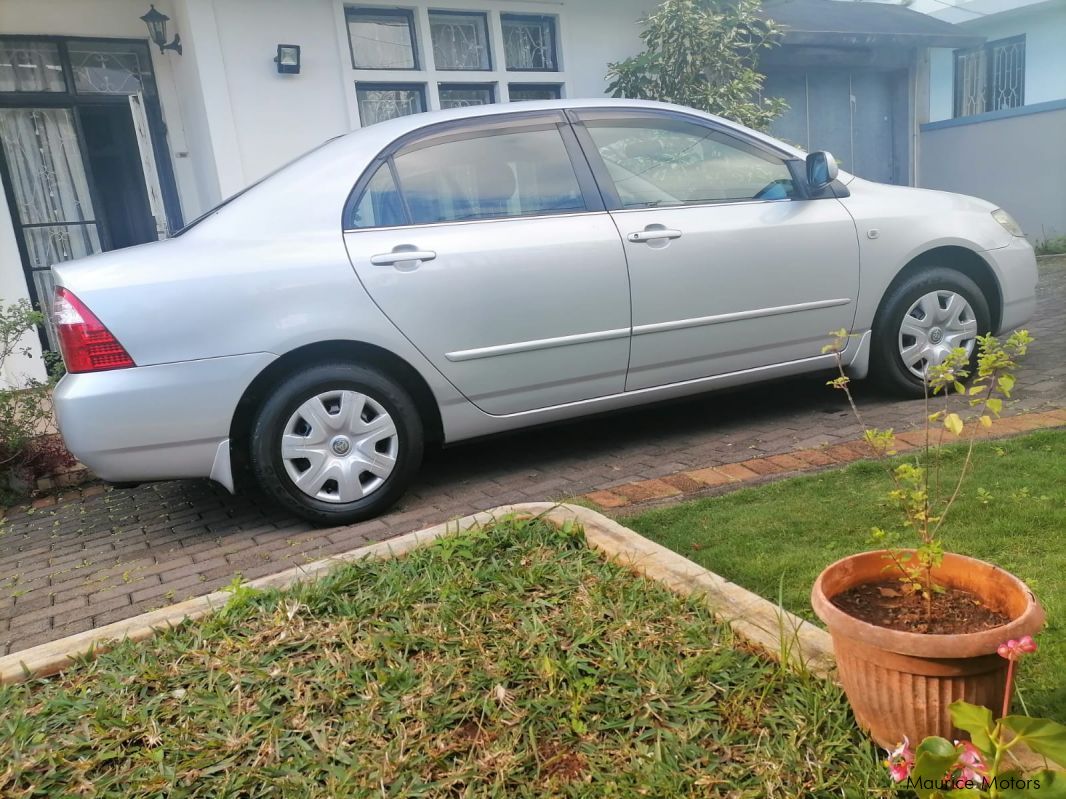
{"type": "Point", "coordinates": [787, 462]}
{"type": "Point", "coordinates": [647, 489]}
{"type": "Point", "coordinates": [606, 499]}
{"type": "Point", "coordinates": [813, 457]}
{"type": "Point", "coordinates": [709, 477]}
{"type": "Point", "coordinates": [683, 483]}
{"type": "Point", "coordinates": [191, 537]}
{"type": "Point", "coordinates": [734, 471]}
{"type": "Point", "coordinates": [761, 466]}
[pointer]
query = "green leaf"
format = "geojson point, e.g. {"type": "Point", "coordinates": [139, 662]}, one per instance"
{"type": "Point", "coordinates": [953, 422]}
{"type": "Point", "coordinates": [975, 720]}
{"type": "Point", "coordinates": [1043, 736]}
{"type": "Point", "coordinates": [1006, 384]}
{"type": "Point", "coordinates": [1041, 784]}
{"type": "Point", "coordinates": [932, 759]}
{"type": "Point", "coordinates": [959, 388]}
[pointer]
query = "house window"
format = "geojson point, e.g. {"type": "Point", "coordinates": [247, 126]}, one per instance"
{"type": "Point", "coordinates": [382, 38]}
{"type": "Point", "coordinates": [460, 40]}
{"type": "Point", "coordinates": [991, 77]}
{"type": "Point", "coordinates": [398, 54]}
{"type": "Point", "coordinates": [381, 101]}
{"type": "Point", "coordinates": [529, 43]}
{"type": "Point", "coordinates": [534, 91]}
{"type": "Point", "coordinates": [461, 95]}
{"type": "Point", "coordinates": [27, 65]}
{"type": "Point", "coordinates": [102, 67]}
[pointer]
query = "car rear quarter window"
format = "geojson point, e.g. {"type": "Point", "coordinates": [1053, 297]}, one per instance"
{"type": "Point", "coordinates": [380, 205]}
{"type": "Point", "coordinates": [501, 174]}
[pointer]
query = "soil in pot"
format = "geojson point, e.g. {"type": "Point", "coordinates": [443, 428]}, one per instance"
{"type": "Point", "coordinates": [886, 604]}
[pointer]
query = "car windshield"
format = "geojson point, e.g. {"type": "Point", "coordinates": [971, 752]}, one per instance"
{"type": "Point", "coordinates": [249, 187]}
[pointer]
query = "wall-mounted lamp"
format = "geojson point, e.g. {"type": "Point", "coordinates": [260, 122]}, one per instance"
{"type": "Point", "coordinates": [288, 59]}
{"type": "Point", "coordinates": [157, 30]}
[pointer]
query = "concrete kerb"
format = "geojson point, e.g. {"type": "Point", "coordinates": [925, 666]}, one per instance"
{"type": "Point", "coordinates": [780, 634]}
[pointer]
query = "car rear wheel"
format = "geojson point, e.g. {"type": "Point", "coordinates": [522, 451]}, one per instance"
{"type": "Point", "coordinates": [921, 321]}
{"type": "Point", "coordinates": [336, 443]}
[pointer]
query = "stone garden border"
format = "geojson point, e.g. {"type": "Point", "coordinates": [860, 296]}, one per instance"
{"type": "Point", "coordinates": [780, 634]}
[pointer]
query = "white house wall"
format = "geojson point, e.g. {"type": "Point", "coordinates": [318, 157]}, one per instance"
{"type": "Point", "coordinates": [1015, 162]}
{"type": "Point", "coordinates": [278, 117]}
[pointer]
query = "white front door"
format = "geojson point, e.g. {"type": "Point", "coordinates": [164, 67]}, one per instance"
{"type": "Point", "coordinates": [148, 165]}
{"type": "Point", "coordinates": [730, 268]}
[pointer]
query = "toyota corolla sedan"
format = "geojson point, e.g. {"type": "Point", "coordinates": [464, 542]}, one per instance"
{"type": "Point", "coordinates": [450, 275]}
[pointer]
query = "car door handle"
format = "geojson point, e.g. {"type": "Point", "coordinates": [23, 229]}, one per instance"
{"type": "Point", "coordinates": [402, 256]}
{"type": "Point", "coordinates": [655, 234]}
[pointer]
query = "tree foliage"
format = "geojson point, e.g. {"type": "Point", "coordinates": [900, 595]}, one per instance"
{"type": "Point", "coordinates": [703, 54]}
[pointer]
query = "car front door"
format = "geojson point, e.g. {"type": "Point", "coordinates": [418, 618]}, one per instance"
{"type": "Point", "coordinates": [730, 267]}
{"type": "Point", "coordinates": [487, 244]}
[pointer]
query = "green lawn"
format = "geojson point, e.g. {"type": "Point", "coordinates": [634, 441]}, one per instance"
{"type": "Point", "coordinates": [775, 539]}
{"type": "Point", "coordinates": [509, 663]}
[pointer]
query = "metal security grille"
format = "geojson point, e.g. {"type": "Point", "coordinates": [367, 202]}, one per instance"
{"type": "Point", "coordinates": [991, 77]}
{"type": "Point", "coordinates": [1006, 73]}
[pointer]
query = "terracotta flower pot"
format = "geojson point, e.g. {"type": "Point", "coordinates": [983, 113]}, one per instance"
{"type": "Point", "coordinates": [901, 684]}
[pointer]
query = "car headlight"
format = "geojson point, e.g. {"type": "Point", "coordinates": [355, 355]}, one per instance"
{"type": "Point", "coordinates": [1008, 222]}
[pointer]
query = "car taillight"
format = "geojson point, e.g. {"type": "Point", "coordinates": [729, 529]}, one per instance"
{"type": "Point", "coordinates": [87, 345]}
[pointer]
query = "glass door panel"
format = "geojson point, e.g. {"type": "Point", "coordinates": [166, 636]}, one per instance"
{"type": "Point", "coordinates": [53, 206]}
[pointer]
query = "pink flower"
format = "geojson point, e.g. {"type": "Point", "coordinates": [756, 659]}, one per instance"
{"type": "Point", "coordinates": [969, 770]}
{"type": "Point", "coordinates": [1014, 650]}
{"type": "Point", "coordinates": [1026, 644]}
{"type": "Point", "coordinates": [900, 761]}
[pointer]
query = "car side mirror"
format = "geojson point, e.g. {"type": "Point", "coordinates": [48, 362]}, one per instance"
{"type": "Point", "coordinates": [821, 169]}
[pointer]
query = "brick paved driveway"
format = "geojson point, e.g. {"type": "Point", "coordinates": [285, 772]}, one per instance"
{"type": "Point", "coordinates": [92, 560]}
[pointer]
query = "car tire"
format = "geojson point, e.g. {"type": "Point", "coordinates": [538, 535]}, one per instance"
{"type": "Point", "coordinates": [890, 340]}
{"type": "Point", "coordinates": [361, 434]}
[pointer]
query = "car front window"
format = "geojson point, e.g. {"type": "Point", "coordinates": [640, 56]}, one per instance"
{"type": "Point", "coordinates": [656, 163]}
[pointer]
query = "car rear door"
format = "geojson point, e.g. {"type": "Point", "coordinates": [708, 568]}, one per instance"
{"type": "Point", "coordinates": [487, 244]}
{"type": "Point", "coordinates": [731, 267]}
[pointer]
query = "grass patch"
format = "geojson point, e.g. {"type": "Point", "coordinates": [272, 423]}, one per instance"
{"type": "Point", "coordinates": [506, 663]}
{"type": "Point", "coordinates": [1051, 245]}
{"type": "Point", "coordinates": [776, 539]}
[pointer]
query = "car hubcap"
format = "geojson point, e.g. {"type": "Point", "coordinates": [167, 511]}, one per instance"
{"type": "Point", "coordinates": [339, 446]}
{"type": "Point", "coordinates": [936, 324]}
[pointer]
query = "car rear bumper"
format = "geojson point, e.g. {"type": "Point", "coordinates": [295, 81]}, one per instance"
{"type": "Point", "coordinates": [162, 422]}
{"type": "Point", "coordinates": [1015, 266]}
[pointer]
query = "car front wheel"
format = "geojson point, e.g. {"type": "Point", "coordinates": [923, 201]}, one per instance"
{"type": "Point", "coordinates": [336, 443]}
{"type": "Point", "coordinates": [921, 321]}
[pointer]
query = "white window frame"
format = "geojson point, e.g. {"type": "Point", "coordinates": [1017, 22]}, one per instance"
{"type": "Point", "coordinates": [428, 74]}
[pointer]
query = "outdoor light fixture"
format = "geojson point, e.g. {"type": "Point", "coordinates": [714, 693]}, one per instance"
{"type": "Point", "coordinates": [288, 59]}
{"type": "Point", "coordinates": [157, 30]}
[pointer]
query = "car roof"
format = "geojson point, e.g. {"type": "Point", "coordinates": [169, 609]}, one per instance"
{"type": "Point", "coordinates": [383, 133]}
{"type": "Point", "coordinates": [329, 172]}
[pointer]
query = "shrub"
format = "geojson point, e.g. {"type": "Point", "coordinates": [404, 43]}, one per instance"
{"type": "Point", "coordinates": [703, 54]}
{"type": "Point", "coordinates": [30, 446]}
{"type": "Point", "coordinates": [1052, 245]}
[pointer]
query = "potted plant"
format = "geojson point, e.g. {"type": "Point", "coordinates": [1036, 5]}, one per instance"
{"type": "Point", "coordinates": [988, 765]}
{"type": "Point", "coordinates": [914, 628]}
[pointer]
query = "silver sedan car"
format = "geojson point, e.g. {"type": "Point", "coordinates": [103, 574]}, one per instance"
{"type": "Point", "coordinates": [455, 274]}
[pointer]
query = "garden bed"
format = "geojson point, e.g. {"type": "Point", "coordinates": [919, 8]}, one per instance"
{"type": "Point", "coordinates": [1014, 516]}
{"type": "Point", "coordinates": [513, 661]}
